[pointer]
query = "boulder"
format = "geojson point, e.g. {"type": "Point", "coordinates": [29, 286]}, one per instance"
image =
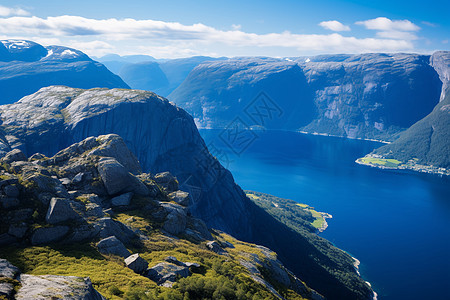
{"type": "Point", "coordinates": [21, 215]}
{"type": "Point", "coordinates": [117, 179]}
{"type": "Point", "coordinates": [136, 263]}
{"type": "Point", "coordinates": [11, 191]}
{"type": "Point", "coordinates": [108, 227]}
{"type": "Point", "coordinates": [111, 245]}
{"type": "Point", "coordinates": [215, 247]}
{"type": "Point", "coordinates": [77, 178]}
{"type": "Point", "coordinates": [6, 239]}
{"type": "Point", "coordinates": [7, 269]}
{"type": "Point", "coordinates": [46, 287]}
{"type": "Point", "coordinates": [122, 200]}
{"type": "Point", "coordinates": [60, 210]}
{"type": "Point", "coordinates": [179, 197]}
{"type": "Point", "coordinates": [112, 145]}
{"type": "Point", "coordinates": [6, 290]}
{"type": "Point", "coordinates": [82, 233]}
{"type": "Point", "coordinates": [18, 230]}
{"type": "Point", "coordinates": [45, 235]}
{"type": "Point", "coordinates": [176, 218]}
{"type": "Point", "coordinates": [167, 272]}
{"type": "Point", "coordinates": [167, 181]}
{"type": "Point", "coordinates": [8, 202]}
{"type": "Point", "coordinates": [14, 155]}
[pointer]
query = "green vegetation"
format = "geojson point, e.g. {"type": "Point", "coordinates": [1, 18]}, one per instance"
{"type": "Point", "coordinates": [289, 212]}
{"type": "Point", "coordinates": [428, 140]}
{"type": "Point", "coordinates": [385, 162]}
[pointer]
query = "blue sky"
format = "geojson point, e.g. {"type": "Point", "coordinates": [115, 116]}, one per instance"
{"type": "Point", "coordinates": [169, 29]}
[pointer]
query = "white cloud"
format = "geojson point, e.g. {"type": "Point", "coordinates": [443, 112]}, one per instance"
{"type": "Point", "coordinates": [8, 11]}
{"type": "Point", "coordinates": [135, 36]}
{"type": "Point", "coordinates": [236, 26]}
{"type": "Point", "coordinates": [397, 35]}
{"type": "Point", "coordinates": [334, 26]}
{"type": "Point", "coordinates": [385, 24]}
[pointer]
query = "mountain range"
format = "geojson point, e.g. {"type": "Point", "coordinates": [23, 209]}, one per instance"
{"type": "Point", "coordinates": [26, 66]}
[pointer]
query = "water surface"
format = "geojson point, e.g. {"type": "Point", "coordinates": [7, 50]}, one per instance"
{"type": "Point", "coordinates": [397, 224]}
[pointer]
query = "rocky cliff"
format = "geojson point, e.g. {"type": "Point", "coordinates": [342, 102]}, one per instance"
{"type": "Point", "coordinates": [359, 96]}
{"type": "Point", "coordinates": [93, 197]}
{"type": "Point", "coordinates": [25, 67]}
{"type": "Point", "coordinates": [164, 138]}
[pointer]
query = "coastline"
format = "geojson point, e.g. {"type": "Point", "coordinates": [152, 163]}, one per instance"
{"type": "Point", "coordinates": [356, 264]}
{"type": "Point", "coordinates": [411, 165]}
{"type": "Point", "coordinates": [324, 226]}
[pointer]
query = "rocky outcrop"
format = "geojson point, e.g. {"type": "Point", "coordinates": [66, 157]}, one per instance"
{"type": "Point", "coordinates": [45, 287]}
{"type": "Point", "coordinates": [25, 67]}
{"type": "Point", "coordinates": [165, 274]}
{"type": "Point", "coordinates": [60, 210]}
{"type": "Point", "coordinates": [136, 263]}
{"type": "Point", "coordinates": [111, 245]}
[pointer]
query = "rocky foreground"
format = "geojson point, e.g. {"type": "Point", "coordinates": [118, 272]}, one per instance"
{"type": "Point", "coordinates": [94, 193]}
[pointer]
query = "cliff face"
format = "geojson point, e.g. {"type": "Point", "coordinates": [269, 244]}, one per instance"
{"type": "Point", "coordinates": [357, 96]}
{"type": "Point", "coordinates": [25, 67]}
{"type": "Point", "coordinates": [441, 63]}
{"type": "Point", "coordinates": [370, 95]}
{"type": "Point", "coordinates": [265, 92]}
{"type": "Point", "coordinates": [164, 138]}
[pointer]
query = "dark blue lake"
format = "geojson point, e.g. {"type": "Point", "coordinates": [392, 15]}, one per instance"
{"type": "Point", "coordinates": [396, 224]}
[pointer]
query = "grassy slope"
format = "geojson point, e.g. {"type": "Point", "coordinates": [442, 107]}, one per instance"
{"type": "Point", "coordinates": [428, 140]}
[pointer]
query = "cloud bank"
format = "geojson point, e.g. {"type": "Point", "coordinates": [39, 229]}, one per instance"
{"type": "Point", "coordinates": [131, 36]}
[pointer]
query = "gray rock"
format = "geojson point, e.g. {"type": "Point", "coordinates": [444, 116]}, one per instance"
{"type": "Point", "coordinates": [176, 220]}
{"type": "Point", "coordinates": [46, 287]}
{"type": "Point", "coordinates": [65, 181]}
{"type": "Point", "coordinates": [167, 181]}
{"type": "Point", "coordinates": [6, 239]}
{"type": "Point", "coordinates": [21, 215]}
{"type": "Point", "coordinates": [117, 179]}
{"type": "Point", "coordinates": [78, 178]}
{"type": "Point", "coordinates": [6, 289]}
{"type": "Point", "coordinates": [7, 269]}
{"type": "Point", "coordinates": [11, 191]}
{"type": "Point", "coordinates": [14, 155]}
{"type": "Point", "coordinates": [111, 245]}
{"type": "Point", "coordinates": [215, 247]}
{"type": "Point", "coordinates": [179, 197]}
{"type": "Point", "coordinates": [8, 202]}
{"type": "Point", "coordinates": [136, 263]}
{"type": "Point", "coordinates": [108, 227]}
{"type": "Point", "coordinates": [167, 272]}
{"type": "Point", "coordinates": [112, 145]}
{"type": "Point", "coordinates": [82, 233]}
{"type": "Point", "coordinates": [60, 210]}
{"type": "Point", "coordinates": [122, 200]}
{"type": "Point", "coordinates": [45, 235]}
{"type": "Point", "coordinates": [94, 210]}
{"type": "Point", "coordinates": [18, 230]}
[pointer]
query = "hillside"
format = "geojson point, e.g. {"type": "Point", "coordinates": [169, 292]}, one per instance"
{"type": "Point", "coordinates": [90, 212]}
{"type": "Point", "coordinates": [164, 138]}
{"type": "Point", "coordinates": [25, 67]}
{"type": "Point", "coordinates": [425, 143]}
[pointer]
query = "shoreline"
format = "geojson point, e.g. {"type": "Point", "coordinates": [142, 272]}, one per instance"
{"type": "Point", "coordinates": [356, 264]}
{"type": "Point", "coordinates": [341, 136]}
{"type": "Point", "coordinates": [324, 226]}
{"type": "Point", "coordinates": [411, 166]}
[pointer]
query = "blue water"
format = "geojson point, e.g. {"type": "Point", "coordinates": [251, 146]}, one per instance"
{"type": "Point", "coordinates": [396, 224]}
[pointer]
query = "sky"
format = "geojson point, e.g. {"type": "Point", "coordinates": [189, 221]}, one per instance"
{"type": "Point", "coordinates": [283, 28]}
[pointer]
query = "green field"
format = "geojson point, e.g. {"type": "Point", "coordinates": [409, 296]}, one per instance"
{"type": "Point", "coordinates": [388, 163]}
